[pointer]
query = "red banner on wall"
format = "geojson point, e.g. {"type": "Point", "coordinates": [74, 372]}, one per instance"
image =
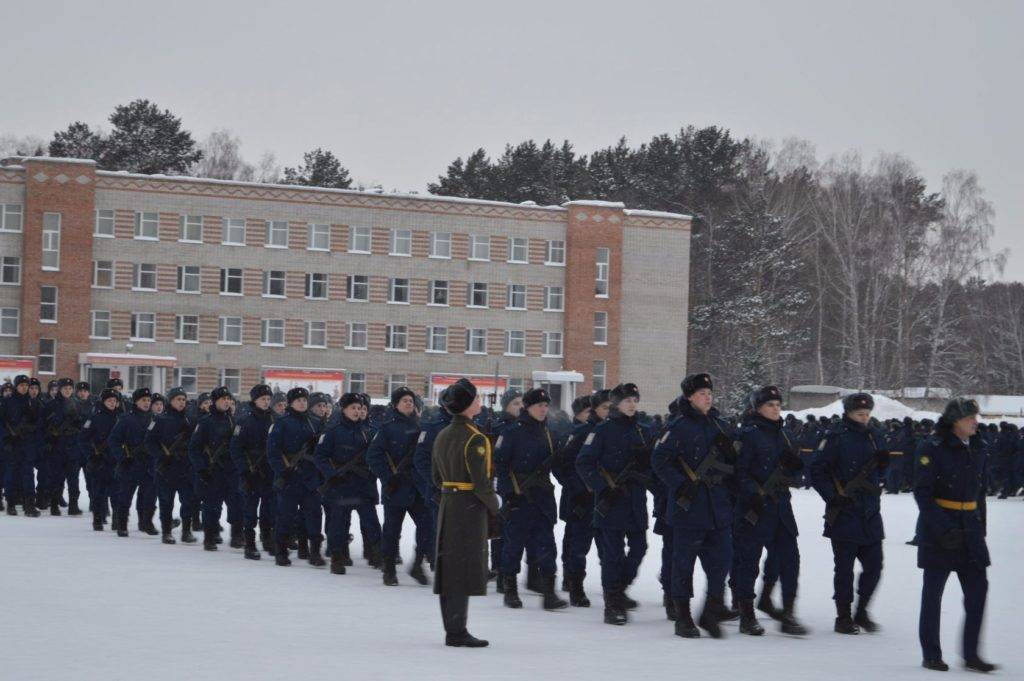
{"type": "Point", "coordinates": [12, 366]}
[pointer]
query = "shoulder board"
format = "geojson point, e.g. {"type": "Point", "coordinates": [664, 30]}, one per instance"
{"type": "Point", "coordinates": [422, 437]}
{"type": "Point", "coordinates": [238, 429]}
{"type": "Point", "coordinates": [271, 428]}
{"type": "Point", "coordinates": [151, 425]}
{"type": "Point", "coordinates": [590, 438]}
{"type": "Point", "coordinates": [87, 423]}
{"type": "Point", "coordinates": [321, 438]}
{"type": "Point", "coordinates": [497, 443]}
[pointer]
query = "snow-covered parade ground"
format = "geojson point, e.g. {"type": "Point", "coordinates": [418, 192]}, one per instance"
{"type": "Point", "coordinates": [83, 605]}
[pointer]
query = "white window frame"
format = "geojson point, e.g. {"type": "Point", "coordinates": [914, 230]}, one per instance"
{"type": "Point", "coordinates": [186, 223]}
{"type": "Point", "coordinates": [314, 233]}
{"type": "Point", "coordinates": [268, 327]}
{"type": "Point", "coordinates": [549, 293]}
{"type": "Point", "coordinates": [437, 239]}
{"type": "Point", "coordinates": [137, 323]}
{"type": "Point", "coordinates": [350, 287]}
{"type": "Point", "coordinates": [357, 385]}
{"type": "Point", "coordinates": [51, 241]}
{"type": "Point", "coordinates": [481, 334]}
{"type": "Point", "coordinates": [512, 292]}
{"type": "Point", "coordinates": [393, 287]}
{"type": "Point", "coordinates": [401, 239]}
{"type": "Point", "coordinates": [307, 341]}
{"type": "Point", "coordinates": [435, 287]}
{"type": "Point", "coordinates": [484, 242]}
{"type": "Point", "coordinates": [52, 356]}
{"type": "Point", "coordinates": [357, 233]}
{"type": "Point", "coordinates": [43, 304]}
{"type": "Point", "coordinates": [222, 330]}
{"type": "Point", "coordinates": [486, 291]}
{"type": "Point", "coordinates": [231, 379]}
{"type": "Point", "coordinates": [393, 333]}
{"type": "Point", "coordinates": [364, 331]}
{"type": "Point", "coordinates": [268, 279]}
{"type": "Point", "coordinates": [94, 319]}
{"type": "Point", "coordinates": [226, 278]}
{"type": "Point", "coordinates": [15, 263]}
{"type": "Point", "coordinates": [184, 276]}
{"type": "Point", "coordinates": [228, 225]}
{"type": "Point", "coordinates": [7, 213]}
{"type": "Point", "coordinates": [96, 270]}
{"type": "Point", "coordinates": [102, 216]}
{"type": "Point", "coordinates": [603, 271]}
{"type": "Point", "coordinates": [551, 249]}
{"type": "Point", "coordinates": [435, 334]}
{"type": "Point", "coordinates": [272, 228]}
{"type": "Point", "coordinates": [553, 338]}
{"type": "Point", "coordinates": [315, 279]}
{"type": "Point", "coordinates": [193, 378]}
{"type": "Point", "coordinates": [179, 328]}
{"type": "Point", "coordinates": [518, 337]}
{"type": "Point", "coordinates": [143, 220]}
{"type": "Point", "coordinates": [6, 315]}
{"type": "Point", "coordinates": [396, 381]}
{"type": "Point", "coordinates": [137, 276]}
{"type": "Point", "coordinates": [514, 243]}
{"type": "Point", "coordinates": [600, 328]}
{"type": "Point", "coordinates": [603, 374]}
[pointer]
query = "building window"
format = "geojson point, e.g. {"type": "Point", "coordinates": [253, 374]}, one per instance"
{"type": "Point", "coordinates": [358, 286]}
{"type": "Point", "coordinates": [517, 250]}
{"type": "Point", "coordinates": [230, 331]}
{"type": "Point", "coordinates": [273, 283]}
{"type": "Point", "coordinates": [10, 217]}
{"type": "Point", "coordinates": [319, 237]}
{"type": "Point", "coordinates": [600, 328]}
{"type": "Point", "coordinates": [143, 326]}
{"type": "Point", "coordinates": [516, 297]}
{"type": "Point", "coordinates": [441, 245]}
{"type": "Point", "coordinates": [316, 335]}
{"type": "Point", "coordinates": [10, 270]}
{"type": "Point", "coordinates": [554, 299]}
{"type": "Point", "coordinates": [476, 341]}
{"type": "Point", "coordinates": [103, 225]}
{"type": "Point", "coordinates": [191, 228]}
{"type": "Point", "coordinates": [553, 343]}
{"type": "Point", "coordinates": [396, 381]}
{"type": "Point", "coordinates": [555, 254]}
{"type": "Point", "coordinates": [146, 225]}
{"type": "Point", "coordinates": [477, 294]}
{"type": "Point", "coordinates": [401, 242]}
{"type": "Point", "coordinates": [316, 286]}
{"type": "Point", "coordinates": [357, 382]}
{"type": "Point", "coordinates": [276, 234]}
{"type": "Point", "coordinates": [187, 328]}
{"type": "Point", "coordinates": [231, 281]}
{"type": "Point", "coordinates": [51, 241]}
{"type": "Point", "coordinates": [399, 291]}
{"type": "Point", "coordinates": [359, 240]}
{"type": "Point", "coordinates": [604, 257]}
{"type": "Point", "coordinates": [517, 384]}
{"type": "Point", "coordinates": [10, 318]}
{"type": "Point", "coordinates": [231, 379]}
{"type": "Point", "coordinates": [47, 358]}
{"type": "Point", "coordinates": [356, 336]}
{"type": "Point", "coordinates": [479, 247]}
{"type": "Point", "coordinates": [100, 324]}
{"type": "Point", "coordinates": [272, 332]}
{"type": "Point", "coordinates": [140, 377]}
{"type": "Point", "coordinates": [144, 277]}
{"type": "Point", "coordinates": [48, 304]}
{"type": "Point", "coordinates": [397, 337]}
{"type": "Point", "coordinates": [515, 342]}
{"type": "Point", "coordinates": [187, 378]}
{"type": "Point", "coordinates": [234, 232]}
{"type": "Point", "coordinates": [103, 274]}
{"type": "Point", "coordinates": [599, 374]}
{"type": "Point", "coordinates": [439, 292]}
{"type": "Point", "coordinates": [188, 279]}
{"type": "Point", "coordinates": [437, 339]}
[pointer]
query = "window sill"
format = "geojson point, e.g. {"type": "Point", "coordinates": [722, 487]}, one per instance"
{"type": "Point", "coordinates": [554, 309]}
{"type": "Point", "coordinates": [232, 243]}
{"type": "Point", "coordinates": [190, 241]}
{"type": "Point", "coordinates": [146, 238]}
{"type": "Point", "coordinates": [230, 295]}
{"type": "Point", "coordinates": [102, 236]}
{"type": "Point", "coordinates": [554, 264]}
{"type": "Point", "coordinates": [101, 288]}
{"type": "Point", "coordinates": [398, 302]}
{"type": "Point", "coordinates": [230, 343]}
{"type": "Point", "coordinates": [598, 343]}
{"type": "Point", "coordinates": [518, 262]}
{"type": "Point", "coordinates": [273, 296]}
{"type": "Point", "coordinates": [351, 347]}
{"type": "Point", "coordinates": [436, 352]}
{"type": "Point", "coordinates": [138, 289]}
{"type": "Point", "coordinates": [50, 269]}
{"type": "Point", "coordinates": [359, 252]}
{"type": "Point", "coordinates": [477, 307]}
{"type": "Point", "coordinates": [315, 298]}
{"type": "Point", "coordinates": [13, 231]}
{"type": "Point", "coordinates": [602, 296]}
{"type": "Point", "coordinates": [439, 257]}
{"type": "Point", "coordinates": [315, 347]}
{"type": "Point", "coordinates": [396, 350]}
{"type": "Point", "coordinates": [400, 255]}
{"type": "Point", "coordinates": [276, 247]}
{"type": "Point", "coordinates": [473, 352]}
{"type": "Point", "coordinates": [478, 259]}
{"type": "Point", "coordinates": [47, 321]}
{"type": "Point", "coordinates": [186, 342]}
{"type": "Point", "coordinates": [438, 305]}
{"type": "Point", "coordinates": [271, 345]}
{"type": "Point", "coordinates": [188, 293]}
{"type": "Point", "coordinates": [99, 337]}
{"type": "Point", "coordinates": [357, 300]}
{"type": "Point", "coordinates": [318, 250]}
{"type": "Point", "coordinates": [552, 356]}
{"type": "Point", "coordinates": [142, 340]}
{"type": "Point", "coordinates": [515, 354]}
{"type": "Point", "coordinates": [515, 309]}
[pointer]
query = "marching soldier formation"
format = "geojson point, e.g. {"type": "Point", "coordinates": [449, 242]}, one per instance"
{"type": "Point", "coordinates": [478, 487]}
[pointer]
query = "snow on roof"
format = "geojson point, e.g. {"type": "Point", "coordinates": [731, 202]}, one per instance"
{"type": "Point", "coordinates": [919, 393]}
{"type": "Point", "coordinates": [821, 389]}
{"type": "Point", "coordinates": [1007, 405]}
{"type": "Point", "coordinates": [885, 408]}
{"type": "Point", "coordinates": [633, 212]}
{"type": "Point", "coordinates": [596, 204]}
{"type": "Point", "coordinates": [50, 159]}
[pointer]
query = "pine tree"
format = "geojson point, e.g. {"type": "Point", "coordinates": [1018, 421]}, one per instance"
{"type": "Point", "coordinates": [752, 377]}
{"type": "Point", "coordinates": [78, 141]}
{"type": "Point", "coordinates": [319, 168]}
{"type": "Point", "coordinates": [147, 140]}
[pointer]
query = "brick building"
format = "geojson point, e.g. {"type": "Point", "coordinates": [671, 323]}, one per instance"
{"type": "Point", "coordinates": [179, 280]}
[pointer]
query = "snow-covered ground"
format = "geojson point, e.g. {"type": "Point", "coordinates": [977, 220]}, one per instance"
{"type": "Point", "coordinates": [77, 604]}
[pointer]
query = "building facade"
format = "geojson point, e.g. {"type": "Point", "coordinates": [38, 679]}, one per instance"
{"type": "Point", "coordinates": [178, 280]}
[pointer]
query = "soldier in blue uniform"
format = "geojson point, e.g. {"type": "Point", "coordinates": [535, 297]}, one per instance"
{"type": "Point", "coordinates": [133, 465]}
{"type": "Point", "coordinates": [210, 459]}
{"type": "Point", "coordinates": [390, 458]}
{"type": "Point", "coordinates": [290, 444]}
{"type": "Point", "coordinates": [523, 457]}
{"type": "Point", "coordinates": [64, 417]}
{"type": "Point", "coordinates": [117, 385]}
{"type": "Point", "coordinates": [614, 462]}
{"type": "Point", "coordinates": [340, 457]}
{"type": "Point", "coordinates": [695, 459]}
{"type": "Point", "coordinates": [167, 443]}
{"type": "Point", "coordinates": [847, 473]}
{"type": "Point", "coordinates": [22, 417]}
{"type": "Point", "coordinates": [950, 493]}
{"type": "Point", "coordinates": [422, 463]}
{"type": "Point", "coordinates": [764, 516]}
{"type": "Point", "coordinates": [493, 426]}
{"type": "Point", "coordinates": [96, 458]}
{"type": "Point", "coordinates": [248, 449]}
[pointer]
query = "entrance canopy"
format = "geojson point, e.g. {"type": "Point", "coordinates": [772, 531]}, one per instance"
{"type": "Point", "coordinates": [127, 359]}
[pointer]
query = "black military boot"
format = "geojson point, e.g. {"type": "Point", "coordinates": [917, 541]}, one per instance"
{"type": "Point", "coordinates": [210, 539]}
{"type": "Point", "coordinates": [714, 610]}
{"type": "Point", "coordinates": [30, 507]}
{"type": "Point", "coordinates": [186, 533]}
{"type": "Point", "coordinates": [511, 592]}
{"type": "Point", "coordinates": [863, 620]}
{"type": "Point", "coordinates": [614, 612]}
{"type": "Point", "coordinates": [337, 562]}
{"type": "Point", "coordinates": [346, 557]}
{"type": "Point", "coordinates": [316, 559]}
{"type": "Point", "coordinates": [534, 580]}
{"type": "Point", "coordinates": [122, 523]}
{"type": "Point", "coordinates": [670, 607]}
{"type": "Point", "coordinates": [789, 623]}
{"type": "Point", "coordinates": [97, 521]}
{"type": "Point", "coordinates": [1, 503]}
{"type": "Point", "coordinates": [165, 533]}
{"type": "Point", "coordinates": [627, 602]}
{"type": "Point", "coordinates": [236, 540]}
{"type": "Point", "coordinates": [935, 665]}
{"type": "Point", "coordinates": [455, 625]}
{"type": "Point", "coordinates": [60, 500]}
{"type": "Point", "coordinates": [366, 548]}
{"type": "Point", "coordinates": [550, 600]}
{"type": "Point", "coordinates": [577, 596]}
{"type": "Point", "coordinates": [73, 508]}
{"type": "Point", "coordinates": [566, 582]}
{"type": "Point", "coordinates": [732, 613]}
{"type": "Point", "coordinates": [748, 622]}
{"type": "Point", "coordinates": [267, 540]}
{"type": "Point", "coordinates": [251, 552]}
{"type": "Point", "coordinates": [499, 584]}
{"type": "Point", "coordinates": [685, 627]}
{"type": "Point", "coordinates": [282, 555]}
{"type": "Point", "coordinates": [175, 523]}
{"type": "Point", "coordinates": [146, 523]}
{"type": "Point", "coordinates": [197, 524]}
{"type": "Point", "coordinates": [844, 621]}
{"type": "Point", "coordinates": [303, 548]}
{"type": "Point", "coordinates": [979, 665]}
{"type": "Point", "coordinates": [765, 605]}
{"type": "Point", "coordinates": [389, 576]}
{"type": "Point", "coordinates": [375, 560]}
{"type": "Point", "coordinates": [54, 505]}
{"type": "Point", "coordinates": [11, 509]}
{"type": "Point", "coordinates": [416, 571]}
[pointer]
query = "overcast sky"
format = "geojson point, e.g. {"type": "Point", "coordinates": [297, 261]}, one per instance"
{"type": "Point", "coordinates": [397, 90]}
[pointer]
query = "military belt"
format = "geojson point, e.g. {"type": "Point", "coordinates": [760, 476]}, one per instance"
{"type": "Point", "coordinates": [451, 487]}
{"type": "Point", "coordinates": [957, 505]}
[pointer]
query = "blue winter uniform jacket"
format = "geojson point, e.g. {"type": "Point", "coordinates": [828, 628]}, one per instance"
{"type": "Point", "coordinates": [576, 502]}
{"type": "Point", "coordinates": [424, 453]}
{"type": "Point", "coordinates": [248, 447]}
{"type": "Point", "coordinates": [689, 439]}
{"type": "Point", "coordinates": [291, 441]}
{"type": "Point", "coordinates": [23, 420]}
{"type": "Point", "coordinates": [390, 457]}
{"type": "Point", "coordinates": [613, 444]}
{"type": "Point", "coordinates": [846, 450]}
{"type": "Point", "coordinates": [127, 441]}
{"type": "Point", "coordinates": [949, 487]}
{"type": "Point", "coordinates": [167, 443]}
{"type": "Point", "coordinates": [92, 440]}
{"type": "Point", "coordinates": [520, 455]}
{"type": "Point", "coordinates": [762, 443]}
{"type": "Point", "coordinates": [208, 446]}
{"type": "Point", "coordinates": [338, 446]}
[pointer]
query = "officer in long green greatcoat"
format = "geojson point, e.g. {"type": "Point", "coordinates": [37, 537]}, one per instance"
{"type": "Point", "coordinates": [461, 468]}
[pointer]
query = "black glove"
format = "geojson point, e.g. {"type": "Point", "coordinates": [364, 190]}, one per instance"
{"type": "Point", "coordinates": [790, 462]}
{"type": "Point", "coordinates": [952, 540]}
